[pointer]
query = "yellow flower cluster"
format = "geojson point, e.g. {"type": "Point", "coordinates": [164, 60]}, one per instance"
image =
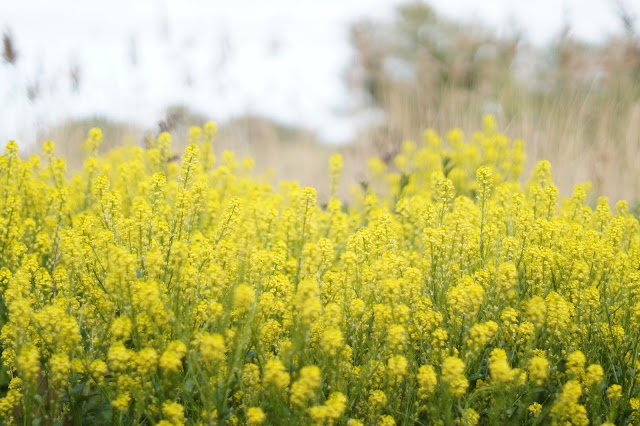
{"type": "Point", "coordinates": [304, 388]}
{"type": "Point", "coordinates": [144, 290]}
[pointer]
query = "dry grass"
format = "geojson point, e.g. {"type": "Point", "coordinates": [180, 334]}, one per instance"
{"type": "Point", "coordinates": [605, 151]}
{"type": "Point", "coordinates": [69, 135]}
{"type": "Point", "coordinates": [279, 152]}
{"type": "Point", "coordinates": [592, 141]}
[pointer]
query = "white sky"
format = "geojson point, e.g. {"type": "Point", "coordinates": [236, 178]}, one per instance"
{"type": "Point", "coordinates": [591, 20]}
{"type": "Point", "coordinates": [280, 58]}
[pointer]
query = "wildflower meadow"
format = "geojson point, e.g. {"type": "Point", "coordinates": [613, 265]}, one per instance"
{"type": "Point", "coordinates": [147, 290]}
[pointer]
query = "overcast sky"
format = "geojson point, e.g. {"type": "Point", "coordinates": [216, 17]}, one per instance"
{"type": "Point", "coordinates": [280, 58]}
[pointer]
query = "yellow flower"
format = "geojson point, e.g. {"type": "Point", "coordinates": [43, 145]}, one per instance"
{"type": "Point", "coordinates": [499, 367]}
{"type": "Point", "coordinates": [396, 336]}
{"type": "Point", "coordinates": [453, 376]}
{"type": "Point", "coordinates": [614, 392]}
{"type": "Point", "coordinates": [538, 370]}
{"type": "Point", "coordinates": [332, 409]}
{"type": "Point", "coordinates": [335, 165]}
{"type": "Point", "coordinates": [243, 298]}
{"type": "Point", "coordinates": [567, 408]}
{"type": "Point", "coordinates": [29, 363]}
{"type": "Point", "coordinates": [121, 328]}
{"type": "Point", "coordinates": [174, 412]}
{"type": "Point", "coordinates": [255, 416]}
{"type": "Point", "coordinates": [275, 374]}
{"type": "Point", "coordinates": [376, 167]}
{"type": "Point", "coordinates": [332, 340]}
{"type": "Point", "coordinates": [397, 367]}
{"type": "Point", "coordinates": [212, 347]}
{"type": "Point", "coordinates": [535, 409]}
{"type": "Point", "coordinates": [489, 125]}
{"type": "Point", "coordinates": [98, 370]}
{"type": "Point", "coordinates": [571, 391]}
{"type": "Point", "coordinates": [377, 398]}
{"type": "Point", "coordinates": [210, 130]}
{"type": "Point", "coordinates": [119, 357]}
{"type": "Point", "coordinates": [575, 363]}
{"type": "Point", "coordinates": [480, 334]}
{"type": "Point", "coordinates": [469, 417]}
{"type": "Point", "coordinates": [465, 298]}
{"type": "Point", "coordinates": [308, 383]}
{"type": "Point", "coordinates": [251, 375]}
{"type": "Point", "coordinates": [484, 177]}
{"type": "Point", "coordinates": [427, 381]}
{"type": "Point", "coordinates": [594, 375]}
{"type": "Point", "coordinates": [536, 310]}
{"type": "Point", "coordinates": [386, 420]}
{"type": "Point", "coordinates": [121, 403]}
{"type": "Point", "coordinates": [142, 266]}
{"type": "Point", "coordinates": [92, 142]}
{"type": "Point", "coordinates": [336, 404]}
{"type": "Point", "coordinates": [147, 360]}
{"type": "Point", "coordinates": [171, 358]}
{"type": "Point", "coordinates": [60, 368]}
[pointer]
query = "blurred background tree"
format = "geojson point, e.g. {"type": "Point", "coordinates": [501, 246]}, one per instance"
{"type": "Point", "coordinates": [575, 103]}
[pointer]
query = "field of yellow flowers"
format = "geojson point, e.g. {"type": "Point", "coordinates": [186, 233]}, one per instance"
{"type": "Point", "coordinates": [141, 290]}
